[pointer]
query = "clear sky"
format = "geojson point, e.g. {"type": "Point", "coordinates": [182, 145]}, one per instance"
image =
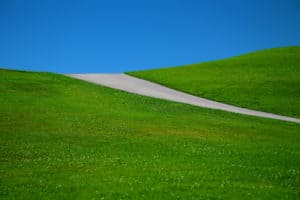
{"type": "Point", "coordinates": [70, 36]}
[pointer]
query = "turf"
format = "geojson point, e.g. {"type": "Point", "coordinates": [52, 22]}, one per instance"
{"type": "Point", "coordinates": [267, 80]}
{"type": "Point", "coordinates": [62, 138]}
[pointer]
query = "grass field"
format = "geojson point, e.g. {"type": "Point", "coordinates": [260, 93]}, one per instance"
{"type": "Point", "coordinates": [267, 80]}
{"type": "Point", "coordinates": [62, 138]}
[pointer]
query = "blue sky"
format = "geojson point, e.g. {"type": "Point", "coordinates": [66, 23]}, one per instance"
{"type": "Point", "coordinates": [69, 36]}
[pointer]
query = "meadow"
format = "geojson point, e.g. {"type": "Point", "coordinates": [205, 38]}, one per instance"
{"type": "Point", "coordinates": [62, 138]}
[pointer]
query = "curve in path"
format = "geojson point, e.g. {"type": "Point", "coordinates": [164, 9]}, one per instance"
{"type": "Point", "coordinates": [146, 88]}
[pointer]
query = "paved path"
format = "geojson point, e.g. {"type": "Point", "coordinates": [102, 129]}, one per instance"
{"type": "Point", "coordinates": [147, 88]}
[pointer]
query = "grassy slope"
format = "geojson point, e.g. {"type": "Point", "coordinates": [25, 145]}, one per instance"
{"type": "Point", "coordinates": [64, 138]}
{"type": "Point", "coordinates": [267, 80]}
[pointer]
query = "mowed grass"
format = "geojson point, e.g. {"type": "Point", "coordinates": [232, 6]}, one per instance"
{"type": "Point", "coordinates": [267, 80]}
{"type": "Point", "coordinates": [62, 138]}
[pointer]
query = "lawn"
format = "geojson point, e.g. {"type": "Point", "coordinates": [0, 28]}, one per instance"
{"type": "Point", "coordinates": [62, 138]}
{"type": "Point", "coordinates": [267, 80]}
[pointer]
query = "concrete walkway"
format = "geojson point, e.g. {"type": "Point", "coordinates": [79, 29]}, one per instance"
{"type": "Point", "coordinates": [146, 88]}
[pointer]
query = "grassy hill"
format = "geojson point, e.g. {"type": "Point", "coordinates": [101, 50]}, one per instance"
{"type": "Point", "coordinates": [267, 80]}
{"type": "Point", "coordinates": [62, 138]}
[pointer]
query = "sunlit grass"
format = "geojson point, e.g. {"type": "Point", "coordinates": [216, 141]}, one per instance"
{"type": "Point", "coordinates": [62, 138]}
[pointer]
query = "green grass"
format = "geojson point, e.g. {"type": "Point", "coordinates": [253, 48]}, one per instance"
{"type": "Point", "coordinates": [267, 80]}
{"type": "Point", "coordinates": [62, 138]}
